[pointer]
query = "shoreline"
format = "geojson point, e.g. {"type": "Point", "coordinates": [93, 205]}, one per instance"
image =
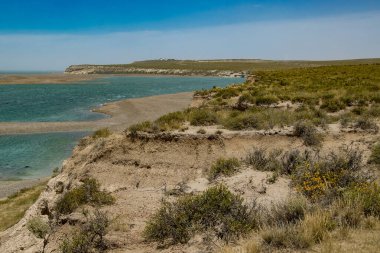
{"type": "Point", "coordinates": [123, 113]}
{"type": "Point", "coordinates": [9, 187]}
{"type": "Point", "coordinates": [64, 78]}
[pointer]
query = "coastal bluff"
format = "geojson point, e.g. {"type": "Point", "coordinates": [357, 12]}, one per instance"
{"type": "Point", "coordinates": [126, 69]}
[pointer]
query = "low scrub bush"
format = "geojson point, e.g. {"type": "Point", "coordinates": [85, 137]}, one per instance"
{"type": "Point", "coordinates": [260, 160]}
{"type": "Point", "coordinates": [88, 193]}
{"type": "Point", "coordinates": [245, 101]}
{"type": "Point", "coordinates": [347, 212]}
{"type": "Point", "coordinates": [225, 167]}
{"type": "Point", "coordinates": [313, 229]}
{"type": "Point", "coordinates": [242, 121]}
{"type": "Point", "coordinates": [141, 127]}
{"type": "Point", "coordinates": [228, 92]}
{"type": "Point", "coordinates": [101, 133]}
{"type": "Point", "coordinates": [324, 178]}
{"type": "Point", "coordinates": [217, 210]}
{"type": "Point", "coordinates": [267, 100]}
{"type": "Point", "coordinates": [367, 124]}
{"type": "Point", "coordinates": [308, 132]}
{"type": "Point", "coordinates": [90, 237]}
{"type": "Point", "coordinates": [38, 227]}
{"type": "Point", "coordinates": [203, 117]}
{"type": "Point", "coordinates": [333, 105]}
{"type": "Point", "coordinates": [290, 211]}
{"type": "Point", "coordinates": [170, 121]}
{"type": "Point", "coordinates": [375, 154]}
{"type": "Point", "coordinates": [366, 196]}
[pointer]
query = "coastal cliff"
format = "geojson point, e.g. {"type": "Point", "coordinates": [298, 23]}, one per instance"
{"type": "Point", "coordinates": [125, 69]}
{"type": "Point", "coordinates": [289, 177]}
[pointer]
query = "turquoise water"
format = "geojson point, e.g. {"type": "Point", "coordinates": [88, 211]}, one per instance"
{"type": "Point", "coordinates": [73, 102]}
{"type": "Point", "coordinates": [35, 155]}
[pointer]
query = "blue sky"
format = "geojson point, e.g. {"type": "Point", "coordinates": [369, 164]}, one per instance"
{"type": "Point", "coordinates": [51, 34]}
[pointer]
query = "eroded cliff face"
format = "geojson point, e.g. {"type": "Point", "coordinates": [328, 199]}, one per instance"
{"type": "Point", "coordinates": [139, 173]}
{"type": "Point", "coordinates": [124, 69]}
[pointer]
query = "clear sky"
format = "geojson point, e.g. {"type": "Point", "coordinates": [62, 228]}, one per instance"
{"type": "Point", "coordinates": [52, 34]}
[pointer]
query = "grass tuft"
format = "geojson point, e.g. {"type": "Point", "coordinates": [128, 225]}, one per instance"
{"type": "Point", "coordinates": [224, 167]}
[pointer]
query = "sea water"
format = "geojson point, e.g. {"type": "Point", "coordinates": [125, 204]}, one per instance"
{"type": "Point", "coordinates": [35, 155]}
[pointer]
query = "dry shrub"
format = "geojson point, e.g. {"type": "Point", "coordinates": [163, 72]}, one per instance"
{"type": "Point", "coordinates": [38, 227]}
{"type": "Point", "coordinates": [88, 193]}
{"type": "Point", "coordinates": [375, 154]}
{"type": "Point", "coordinates": [308, 132]}
{"type": "Point", "coordinates": [225, 167]}
{"type": "Point", "coordinates": [217, 210]}
{"type": "Point", "coordinates": [101, 133]}
{"type": "Point", "coordinates": [90, 237]}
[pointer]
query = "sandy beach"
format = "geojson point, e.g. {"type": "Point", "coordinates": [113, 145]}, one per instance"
{"type": "Point", "coordinates": [122, 114]}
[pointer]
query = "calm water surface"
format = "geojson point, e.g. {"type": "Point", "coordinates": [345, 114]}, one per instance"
{"type": "Point", "coordinates": [35, 155]}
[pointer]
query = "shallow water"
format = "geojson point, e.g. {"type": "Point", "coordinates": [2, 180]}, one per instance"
{"type": "Point", "coordinates": [36, 155]}
{"type": "Point", "coordinates": [73, 102]}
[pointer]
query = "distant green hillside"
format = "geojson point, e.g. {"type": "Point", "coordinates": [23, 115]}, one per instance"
{"type": "Point", "coordinates": [206, 67]}
{"type": "Point", "coordinates": [241, 65]}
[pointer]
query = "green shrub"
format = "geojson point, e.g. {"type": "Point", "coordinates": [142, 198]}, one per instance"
{"type": "Point", "coordinates": [225, 167]}
{"type": "Point", "coordinates": [38, 227]}
{"type": "Point", "coordinates": [203, 117]}
{"type": "Point", "coordinates": [170, 121]}
{"type": "Point", "coordinates": [216, 210]}
{"type": "Point", "coordinates": [375, 154]}
{"type": "Point", "coordinates": [308, 132]}
{"type": "Point", "coordinates": [88, 193]}
{"type": "Point", "coordinates": [227, 92]}
{"type": "Point", "coordinates": [266, 100]}
{"type": "Point", "coordinates": [245, 101]}
{"type": "Point", "coordinates": [333, 105]}
{"type": "Point", "coordinates": [90, 237]}
{"type": "Point", "coordinates": [140, 127]}
{"type": "Point", "coordinates": [241, 121]}
{"type": "Point", "coordinates": [101, 133]}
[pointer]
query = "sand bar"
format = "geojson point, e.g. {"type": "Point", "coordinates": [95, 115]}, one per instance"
{"type": "Point", "coordinates": [54, 78]}
{"type": "Point", "coordinates": [123, 114]}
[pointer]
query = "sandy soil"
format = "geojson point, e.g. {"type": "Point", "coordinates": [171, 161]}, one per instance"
{"type": "Point", "coordinates": [55, 78]}
{"type": "Point", "coordinates": [9, 187]}
{"type": "Point", "coordinates": [61, 78]}
{"type": "Point", "coordinates": [123, 114]}
{"type": "Point", "coordinates": [139, 173]}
